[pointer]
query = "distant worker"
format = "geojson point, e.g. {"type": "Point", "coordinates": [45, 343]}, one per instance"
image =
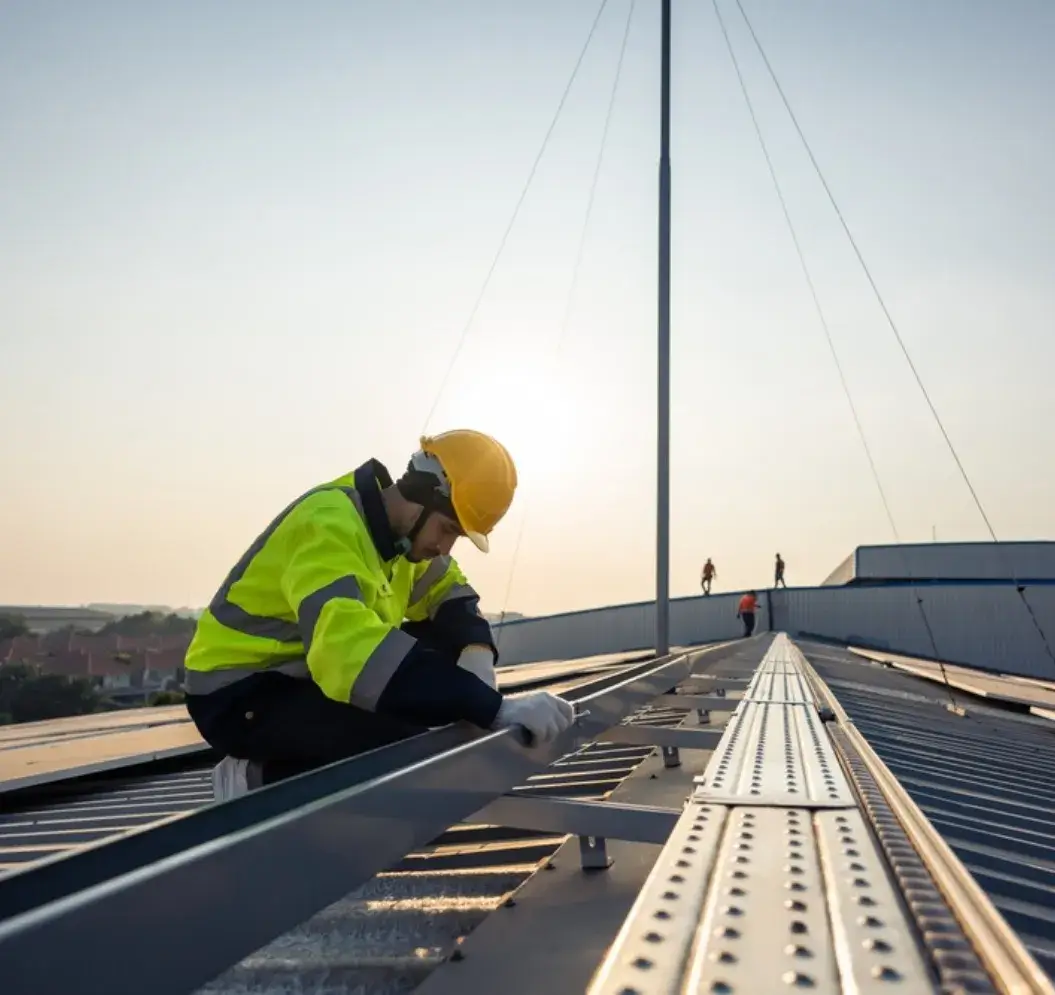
{"type": "Point", "coordinates": [347, 625]}
{"type": "Point", "coordinates": [746, 611]}
{"type": "Point", "coordinates": [709, 573]}
{"type": "Point", "coordinates": [778, 574]}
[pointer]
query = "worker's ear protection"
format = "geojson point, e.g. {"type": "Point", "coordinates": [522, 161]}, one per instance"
{"type": "Point", "coordinates": [426, 484]}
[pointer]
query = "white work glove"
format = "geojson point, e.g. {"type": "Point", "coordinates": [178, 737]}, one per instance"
{"type": "Point", "coordinates": [479, 661]}
{"type": "Point", "coordinates": [543, 714]}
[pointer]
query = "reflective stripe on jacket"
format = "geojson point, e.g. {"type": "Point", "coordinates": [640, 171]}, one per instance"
{"type": "Point", "coordinates": [321, 594]}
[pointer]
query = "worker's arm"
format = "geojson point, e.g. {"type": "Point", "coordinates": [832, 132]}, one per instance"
{"type": "Point", "coordinates": [352, 653]}
{"type": "Point", "coordinates": [442, 595]}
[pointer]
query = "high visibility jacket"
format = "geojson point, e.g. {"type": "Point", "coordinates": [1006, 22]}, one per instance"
{"type": "Point", "coordinates": [748, 604]}
{"type": "Point", "coordinates": [321, 595]}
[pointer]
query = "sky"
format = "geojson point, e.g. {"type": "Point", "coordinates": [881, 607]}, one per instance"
{"type": "Point", "coordinates": [240, 244]}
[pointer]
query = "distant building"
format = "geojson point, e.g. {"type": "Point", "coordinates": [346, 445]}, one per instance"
{"type": "Point", "coordinates": [41, 618]}
{"type": "Point", "coordinates": [122, 610]}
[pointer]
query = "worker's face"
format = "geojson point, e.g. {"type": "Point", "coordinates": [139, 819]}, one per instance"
{"type": "Point", "coordinates": [435, 539]}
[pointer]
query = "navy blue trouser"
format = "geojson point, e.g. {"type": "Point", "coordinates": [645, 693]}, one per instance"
{"type": "Point", "coordinates": [288, 726]}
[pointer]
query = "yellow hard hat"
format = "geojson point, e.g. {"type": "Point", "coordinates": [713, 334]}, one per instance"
{"type": "Point", "coordinates": [482, 479]}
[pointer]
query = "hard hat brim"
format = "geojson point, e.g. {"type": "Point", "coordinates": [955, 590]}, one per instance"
{"type": "Point", "coordinates": [479, 540]}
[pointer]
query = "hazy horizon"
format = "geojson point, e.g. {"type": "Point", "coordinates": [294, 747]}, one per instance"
{"type": "Point", "coordinates": [241, 245]}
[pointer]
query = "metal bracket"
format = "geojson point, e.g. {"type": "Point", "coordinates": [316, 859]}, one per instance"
{"type": "Point", "coordinates": [635, 823]}
{"type": "Point", "coordinates": [593, 854]}
{"type": "Point", "coordinates": [679, 738]}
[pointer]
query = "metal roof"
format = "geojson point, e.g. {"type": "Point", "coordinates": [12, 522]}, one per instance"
{"type": "Point", "coordinates": [986, 781]}
{"type": "Point", "coordinates": [981, 780]}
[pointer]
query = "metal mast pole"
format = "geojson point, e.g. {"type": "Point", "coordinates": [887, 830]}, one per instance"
{"type": "Point", "coordinates": [663, 413]}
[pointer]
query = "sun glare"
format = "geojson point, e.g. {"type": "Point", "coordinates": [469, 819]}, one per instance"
{"type": "Point", "coordinates": [531, 411]}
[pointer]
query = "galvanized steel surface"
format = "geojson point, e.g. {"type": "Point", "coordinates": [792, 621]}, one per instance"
{"type": "Point", "coordinates": [608, 630]}
{"type": "Point", "coordinates": [218, 878]}
{"type": "Point", "coordinates": [775, 754]}
{"type": "Point", "coordinates": [953, 955]}
{"type": "Point", "coordinates": [762, 895]}
{"type": "Point", "coordinates": [980, 625]}
{"type": "Point", "coordinates": [97, 811]}
{"type": "Point", "coordinates": [985, 782]}
{"type": "Point", "coordinates": [957, 560]}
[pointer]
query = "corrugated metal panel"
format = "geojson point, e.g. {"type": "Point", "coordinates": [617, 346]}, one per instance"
{"type": "Point", "coordinates": [622, 627]}
{"type": "Point", "coordinates": [984, 781]}
{"type": "Point", "coordinates": [603, 630]}
{"type": "Point", "coordinates": [984, 625]}
{"type": "Point", "coordinates": [96, 811]}
{"type": "Point", "coordinates": [958, 561]}
{"type": "Point", "coordinates": [981, 625]}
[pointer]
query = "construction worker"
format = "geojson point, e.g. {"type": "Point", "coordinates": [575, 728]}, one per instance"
{"type": "Point", "coordinates": [746, 611]}
{"type": "Point", "coordinates": [346, 625]}
{"type": "Point", "coordinates": [709, 573]}
{"type": "Point", "coordinates": [778, 573]}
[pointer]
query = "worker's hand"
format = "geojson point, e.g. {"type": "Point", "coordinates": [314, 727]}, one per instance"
{"type": "Point", "coordinates": [480, 661]}
{"type": "Point", "coordinates": [543, 714]}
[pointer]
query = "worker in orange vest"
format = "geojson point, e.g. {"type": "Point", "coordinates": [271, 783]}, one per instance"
{"type": "Point", "coordinates": [746, 612]}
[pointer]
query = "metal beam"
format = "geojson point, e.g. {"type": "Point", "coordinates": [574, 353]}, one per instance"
{"type": "Point", "coordinates": [69, 872]}
{"type": "Point", "coordinates": [636, 823]}
{"type": "Point", "coordinates": [215, 902]}
{"type": "Point", "coordinates": [719, 702]}
{"type": "Point", "coordinates": [684, 739]}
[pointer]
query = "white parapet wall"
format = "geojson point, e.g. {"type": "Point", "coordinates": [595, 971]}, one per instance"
{"type": "Point", "coordinates": [978, 624]}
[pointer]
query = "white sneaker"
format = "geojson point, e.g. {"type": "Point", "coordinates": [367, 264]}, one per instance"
{"type": "Point", "coordinates": [230, 779]}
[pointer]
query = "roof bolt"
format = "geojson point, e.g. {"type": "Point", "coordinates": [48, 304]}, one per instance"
{"type": "Point", "coordinates": [797, 979]}
{"type": "Point", "coordinates": [885, 973]}
{"type": "Point", "coordinates": [878, 946]}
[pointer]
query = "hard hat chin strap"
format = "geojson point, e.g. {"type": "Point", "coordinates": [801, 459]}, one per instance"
{"type": "Point", "coordinates": [426, 484]}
